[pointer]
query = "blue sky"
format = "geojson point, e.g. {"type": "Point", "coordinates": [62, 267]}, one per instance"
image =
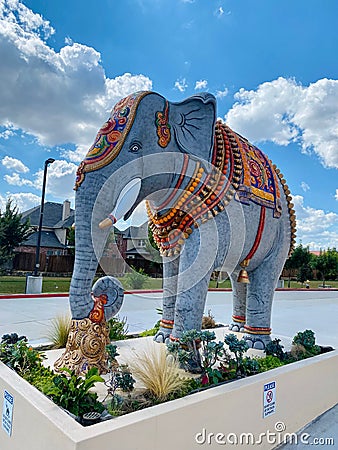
{"type": "Point", "coordinates": [271, 65]}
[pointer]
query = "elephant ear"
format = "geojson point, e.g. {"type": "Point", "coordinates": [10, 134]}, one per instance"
{"type": "Point", "coordinates": [193, 122]}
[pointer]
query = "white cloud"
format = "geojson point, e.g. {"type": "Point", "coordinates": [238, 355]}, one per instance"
{"type": "Point", "coordinates": [336, 196]}
{"type": "Point", "coordinates": [23, 200]}
{"type": "Point", "coordinates": [188, 1]}
{"type": "Point", "coordinates": [201, 84]}
{"type": "Point", "coordinates": [304, 186]}
{"type": "Point", "coordinates": [222, 94]}
{"type": "Point", "coordinates": [284, 111]}
{"type": "Point", "coordinates": [16, 180]}
{"type": "Point", "coordinates": [181, 84]}
{"type": "Point", "coordinates": [6, 134]}
{"type": "Point", "coordinates": [315, 227]}
{"type": "Point", "coordinates": [14, 164]}
{"type": "Point", "coordinates": [60, 179]}
{"type": "Point", "coordinates": [58, 97]}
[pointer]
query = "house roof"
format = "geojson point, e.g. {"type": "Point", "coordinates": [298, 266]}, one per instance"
{"type": "Point", "coordinates": [48, 239]}
{"type": "Point", "coordinates": [140, 232]}
{"type": "Point", "coordinates": [52, 216]}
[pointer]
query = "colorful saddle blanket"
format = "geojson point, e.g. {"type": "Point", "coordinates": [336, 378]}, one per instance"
{"type": "Point", "coordinates": [259, 182]}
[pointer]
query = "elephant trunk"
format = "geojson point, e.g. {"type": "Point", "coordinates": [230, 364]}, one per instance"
{"type": "Point", "coordinates": [86, 259]}
{"type": "Point", "coordinates": [94, 201]}
{"type": "Point", "coordinates": [90, 306]}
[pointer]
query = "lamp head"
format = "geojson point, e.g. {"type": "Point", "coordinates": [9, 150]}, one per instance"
{"type": "Point", "coordinates": [49, 161]}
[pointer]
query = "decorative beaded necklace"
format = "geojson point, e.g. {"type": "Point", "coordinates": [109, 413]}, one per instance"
{"type": "Point", "coordinates": [202, 198]}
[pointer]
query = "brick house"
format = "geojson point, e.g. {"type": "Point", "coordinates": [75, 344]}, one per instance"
{"type": "Point", "coordinates": [126, 248]}
{"type": "Point", "coordinates": [57, 219]}
{"type": "Point", "coordinates": [123, 248]}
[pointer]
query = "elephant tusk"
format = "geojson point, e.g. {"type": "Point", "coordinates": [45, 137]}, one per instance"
{"type": "Point", "coordinates": [124, 202]}
{"type": "Point", "coordinates": [108, 222]}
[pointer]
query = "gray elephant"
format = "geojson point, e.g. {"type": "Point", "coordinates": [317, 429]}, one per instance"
{"type": "Point", "coordinates": [213, 199]}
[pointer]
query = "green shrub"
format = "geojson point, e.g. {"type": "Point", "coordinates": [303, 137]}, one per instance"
{"type": "Point", "coordinates": [124, 378]}
{"type": "Point", "coordinates": [197, 352]}
{"type": "Point", "coordinates": [112, 353]}
{"type": "Point", "coordinates": [238, 348]}
{"type": "Point", "coordinates": [41, 377]}
{"type": "Point", "coordinates": [20, 356]}
{"type": "Point", "coordinates": [136, 279]}
{"type": "Point", "coordinates": [71, 392]}
{"type": "Point", "coordinates": [268, 363]}
{"type": "Point", "coordinates": [307, 340]}
{"type": "Point", "coordinates": [251, 366]}
{"type": "Point", "coordinates": [118, 329]}
{"type": "Point", "coordinates": [274, 348]}
{"type": "Point", "coordinates": [12, 338]}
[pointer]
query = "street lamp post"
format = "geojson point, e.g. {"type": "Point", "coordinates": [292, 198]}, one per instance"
{"type": "Point", "coordinates": [37, 254]}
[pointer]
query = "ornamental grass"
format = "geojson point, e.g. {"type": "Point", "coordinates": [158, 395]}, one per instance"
{"type": "Point", "coordinates": [60, 328]}
{"type": "Point", "coordinates": [159, 373]}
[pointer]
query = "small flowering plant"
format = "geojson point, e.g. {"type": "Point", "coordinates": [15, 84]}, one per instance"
{"type": "Point", "coordinates": [20, 356]}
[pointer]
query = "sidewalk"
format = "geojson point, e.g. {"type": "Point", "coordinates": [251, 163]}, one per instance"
{"type": "Point", "coordinates": [292, 311]}
{"type": "Point", "coordinates": [322, 432]}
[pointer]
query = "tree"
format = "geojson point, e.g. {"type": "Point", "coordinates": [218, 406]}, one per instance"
{"type": "Point", "coordinates": [12, 232]}
{"type": "Point", "coordinates": [327, 264]}
{"type": "Point", "coordinates": [304, 273]}
{"type": "Point", "coordinates": [71, 240]}
{"type": "Point", "coordinates": [301, 261]}
{"type": "Point", "coordinates": [152, 248]}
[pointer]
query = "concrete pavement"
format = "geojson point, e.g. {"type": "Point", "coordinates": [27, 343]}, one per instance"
{"type": "Point", "coordinates": [292, 311]}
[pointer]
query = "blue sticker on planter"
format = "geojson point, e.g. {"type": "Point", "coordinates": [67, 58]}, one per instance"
{"type": "Point", "coordinates": [7, 413]}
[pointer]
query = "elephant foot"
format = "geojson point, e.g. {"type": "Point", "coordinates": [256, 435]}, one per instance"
{"type": "Point", "coordinates": [258, 341]}
{"type": "Point", "coordinates": [237, 327]}
{"type": "Point", "coordinates": [162, 336]}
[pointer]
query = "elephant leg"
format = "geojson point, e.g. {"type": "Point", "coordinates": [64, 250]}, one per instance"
{"type": "Point", "coordinates": [190, 303]}
{"type": "Point", "coordinates": [190, 307]}
{"type": "Point", "coordinates": [170, 273]}
{"type": "Point", "coordinates": [239, 293]}
{"type": "Point", "coordinates": [197, 262]}
{"type": "Point", "coordinates": [261, 289]}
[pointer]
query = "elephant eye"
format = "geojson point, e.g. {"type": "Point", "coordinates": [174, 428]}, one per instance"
{"type": "Point", "coordinates": [135, 147]}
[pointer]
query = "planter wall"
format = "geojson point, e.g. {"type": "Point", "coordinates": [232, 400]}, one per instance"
{"type": "Point", "coordinates": [304, 390]}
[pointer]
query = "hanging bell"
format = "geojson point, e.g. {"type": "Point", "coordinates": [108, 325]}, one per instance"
{"type": "Point", "coordinates": [243, 276]}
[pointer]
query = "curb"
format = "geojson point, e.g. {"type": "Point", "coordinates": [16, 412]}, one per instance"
{"type": "Point", "coordinates": [155, 291]}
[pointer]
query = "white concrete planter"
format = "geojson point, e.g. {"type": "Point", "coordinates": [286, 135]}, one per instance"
{"type": "Point", "coordinates": [219, 415]}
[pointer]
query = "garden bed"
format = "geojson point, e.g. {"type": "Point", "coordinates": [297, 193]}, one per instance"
{"type": "Point", "coordinates": [230, 409]}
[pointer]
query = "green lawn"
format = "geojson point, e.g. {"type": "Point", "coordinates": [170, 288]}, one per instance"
{"type": "Point", "coordinates": [16, 285]}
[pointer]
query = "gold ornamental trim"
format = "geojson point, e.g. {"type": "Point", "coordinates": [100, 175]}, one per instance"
{"type": "Point", "coordinates": [85, 348]}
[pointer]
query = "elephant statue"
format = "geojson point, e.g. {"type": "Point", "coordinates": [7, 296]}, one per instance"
{"type": "Point", "coordinates": [213, 200]}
